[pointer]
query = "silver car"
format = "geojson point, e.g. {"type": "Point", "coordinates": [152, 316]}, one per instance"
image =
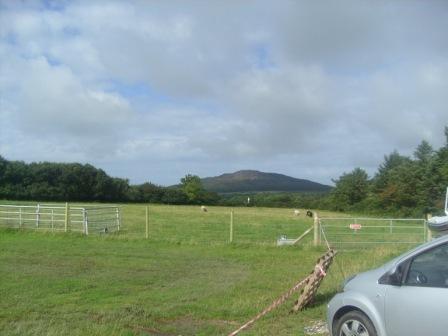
{"type": "Point", "coordinates": [407, 296]}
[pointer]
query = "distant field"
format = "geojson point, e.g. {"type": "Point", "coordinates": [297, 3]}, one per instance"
{"type": "Point", "coordinates": [185, 280]}
{"type": "Point", "coordinates": [188, 224]}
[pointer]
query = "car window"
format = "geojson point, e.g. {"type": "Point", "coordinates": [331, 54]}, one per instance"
{"type": "Point", "coordinates": [429, 269]}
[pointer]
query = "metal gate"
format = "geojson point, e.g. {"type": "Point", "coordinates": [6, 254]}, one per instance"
{"type": "Point", "coordinates": [57, 217]}
{"type": "Point", "coordinates": [102, 219]}
{"type": "Point", "coordinates": [349, 233]}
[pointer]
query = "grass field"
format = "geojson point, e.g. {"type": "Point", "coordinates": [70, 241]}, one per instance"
{"type": "Point", "coordinates": [185, 280]}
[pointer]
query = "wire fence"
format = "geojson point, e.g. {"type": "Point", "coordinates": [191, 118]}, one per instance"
{"type": "Point", "coordinates": [56, 217]}
{"type": "Point", "coordinates": [343, 233]}
{"type": "Point", "coordinates": [215, 225]}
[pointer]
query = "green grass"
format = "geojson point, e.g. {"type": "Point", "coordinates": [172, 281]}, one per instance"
{"type": "Point", "coordinates": [185, 280]}
{"type": "Point", "coordinates": [190, 224]}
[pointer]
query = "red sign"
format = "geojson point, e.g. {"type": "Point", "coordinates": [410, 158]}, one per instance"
{"type": "Point", "coordinates": [355, 226]}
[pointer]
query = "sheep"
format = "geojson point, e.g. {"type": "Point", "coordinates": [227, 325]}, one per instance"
{"type": "Point", "coordinates": [309, 213]}
{"type": "Point", "coordinates": [203, 208]}
{"type": "Point", "coordinates": [296, 212]}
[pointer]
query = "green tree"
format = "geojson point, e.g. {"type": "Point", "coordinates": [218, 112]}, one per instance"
{"type": "Point", "coordinates": [382, 177]}
{"type": "Point", "coordinates": [424, 152]}
{"type": "Point", "coordinates": [401, 191]}
{"type": "Point", "coordinates": [174, 196]}
{"type": "Point", "coordinates": [423, 177]}
{"type": "Point", "coordinates": [446, 136]}
{"type": "Point", "coordinates": [350, 189]}
{"type": "Point", "coordinates": [192, 187]}
{"type": "Point", "coordinates": [438, 176]}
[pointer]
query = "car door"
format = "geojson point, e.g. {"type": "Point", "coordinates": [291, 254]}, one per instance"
{"type": "Point", "coordinates": [420, 305]}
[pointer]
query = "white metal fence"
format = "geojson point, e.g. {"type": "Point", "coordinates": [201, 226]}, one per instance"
{"type": "Point", "coordinates": [102, 219]}
{"type": "Point", "coordinates": [51, 217]}
{"type": "Point", "coordinates": [358, 232]}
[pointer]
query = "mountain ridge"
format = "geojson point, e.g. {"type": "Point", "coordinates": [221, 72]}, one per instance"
{"type": "Point", "coordinates": [257, 181]}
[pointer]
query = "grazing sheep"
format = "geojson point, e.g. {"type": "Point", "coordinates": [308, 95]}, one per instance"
{"type": "Point", "coordinates": [203, 208]}
{"type": "Point", "coordinates": [296, 212]}
{"type": "Point", "coordinates": [309, 213]}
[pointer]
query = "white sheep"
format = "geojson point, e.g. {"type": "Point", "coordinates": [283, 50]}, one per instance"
{"type": "Point", "coordinates": [296, 212]}
{"type": "Point", "coordinates": [203, 208]}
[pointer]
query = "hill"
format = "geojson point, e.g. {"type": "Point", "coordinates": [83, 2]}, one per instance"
{"type": "Point", "coordinates": [256, 181]}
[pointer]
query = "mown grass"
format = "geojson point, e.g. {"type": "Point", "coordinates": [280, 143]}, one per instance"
{"type": "Point", "coordinates": [189, 224]}
{"type": "Point", "coordinates": [185, 280]}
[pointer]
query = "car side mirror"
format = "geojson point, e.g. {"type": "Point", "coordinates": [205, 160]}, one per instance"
{"type": "Point", "coordinates": [393, 277]}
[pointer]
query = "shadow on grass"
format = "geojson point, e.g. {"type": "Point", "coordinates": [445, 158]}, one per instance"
{"type": "Point", "coordinates": [322, 299]}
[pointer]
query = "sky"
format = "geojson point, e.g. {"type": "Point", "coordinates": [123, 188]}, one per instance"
{"type": "Point", "coordinates": [153, 90]}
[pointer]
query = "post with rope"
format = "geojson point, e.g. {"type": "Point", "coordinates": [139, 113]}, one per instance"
{"type": "Point", "coordinates": [308, 286]}
{"type": "Point", "coordinates": [314, 280]}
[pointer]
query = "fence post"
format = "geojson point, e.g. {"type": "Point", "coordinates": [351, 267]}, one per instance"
{"type": "Point", "coordinates": [319, 226]}
{"type": "Point", "coordinates": [52, 219]}
{"type": "Point", "coordinates": [316, 230]}
{"type": "Point", "coordinates": [147, 221]}
{"type": "Point", "coordinates": [117, 210]}
{"type": "Point", "coordinates": [37, 215]}
{"type": "Point", "coordinates": [428, 231]}
{"type": "Point", "coordinates": [67, 216]}
{"type": "Point", "coordinates": [20, 217]}
{"type": "Point", "coordinates": [85, 221]}
{"type": "Point", "coordinates": [231, 226]}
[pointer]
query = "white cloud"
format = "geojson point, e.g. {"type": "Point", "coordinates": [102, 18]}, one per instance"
{"type": "Point", "coordinates": [207, 88]}
{"type": "Point", "coordinates": [54, 101]}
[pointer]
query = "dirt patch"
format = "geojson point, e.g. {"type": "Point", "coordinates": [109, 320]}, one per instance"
{"type": "Point", "coordinates": [317, 328]}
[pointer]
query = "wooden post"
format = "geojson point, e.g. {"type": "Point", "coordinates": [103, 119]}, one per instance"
{"type": "Point", "coordinates": [147, 222]}
{"type": "Point", "coordinates": [20, 217]}
{"type": "Point", "coordinates": [428, 231]}
{"type": "Point", "coordinates": [37, 215]}
{"type": "Point", "coordinates": [86, 222]}
{"type": "Point", "coordinates": [117, 212]}
{"type": "Point", "coordinates": [319, 237]}
{"type": "Point", "coordinates": [67, 216]}
{"type": "Point", "coordinates": [231, 226]}
{"type": "Point", "coordinates": [320, 271]}
{"type": "Point", "coordinates": [316, 230]}
{"type": "Point", "coordinates": [308, 287]}
{"type": "Point", "coordinates": [303, 235]}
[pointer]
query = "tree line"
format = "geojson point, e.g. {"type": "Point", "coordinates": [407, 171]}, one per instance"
{"type": "Point", "coordinates": [48, 181]}
{"type": "Point", "coordinates": [402, 185]}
